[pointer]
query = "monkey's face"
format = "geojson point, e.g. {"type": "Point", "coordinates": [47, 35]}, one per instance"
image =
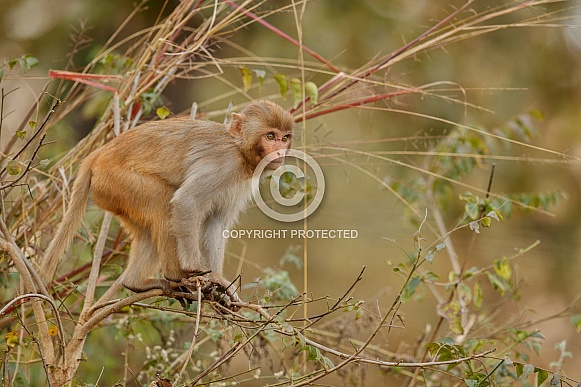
{"type": "Point", "coordinates": [276, 142]}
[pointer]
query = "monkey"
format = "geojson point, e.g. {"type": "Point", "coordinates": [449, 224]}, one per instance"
{"type": "Point", "coordinates": [175, 185]}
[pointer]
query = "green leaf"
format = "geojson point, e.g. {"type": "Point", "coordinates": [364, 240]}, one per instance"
{"type": "Point", "coordinates": [486, 221]}
{"type": "Point", "coordinates": [30, 60]}
{"type": "Point", "coordinates": [452, 312]}
{"type": "Point", "coordinates": [327, 363]}
{"type": "Point", "coordinates": [497, 283]}
{"type": "Point", "coordinates": [21, 134]}
{"type": "Point", "coordinates": [478, 296]}
{"type": "Point", "coordinates": [32, 124]}
{"type": "Point", "coordinates": [576, 321]}
{"type": "Point", "coordinates": [282, 84]}
{"type": "Point", "coordinates": [410, 289]}
{"type": "Point", "coordinates": [537, 114]}
{"type": "Point", "coordinates": [314, 353]}
{"type": "Point", "coordinates": [162, 112]}
{"type": "Point", "coordinates": [519, 369]}
{"type": "Point", "coordinates": [472, 210]}
{"type": "Point", "coordinates": [312, 91]}
{"type": "Point", "coordinates": [1, 74]}
{"type": "Point", "coordinates": [13, 168]}
{"type": "Point", "coordinates": [464, 293]}
{"type": "Point", "coordinates": [502, 268]}
{"type": "Point", "coordinates": [246, 78]}
{"type": "Point", "coordinates": [260, 74]}
{"type": "Point", "coordinates": [542, 375]}
{"type": "Point", "coordinates": [296, 91]}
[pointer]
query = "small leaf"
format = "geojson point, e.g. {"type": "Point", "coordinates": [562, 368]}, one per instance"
{"type": "Point", "coordinates": [497, 283]}
{"type": "Point", "coordinates": [282, 84]}
{"type": "Point", "coordinates": [312, 91]}
{"type": "Point", "coordinates": [246, 78]}
{"type": "Point", "coordinates": [555, 380]}
{"type": "Point", "coordinates": [410, 289]}
{"type": "Point", "coordinates": [359, 313]}
{"type": "Point", "coordinates": [32, 124]}
{"type": "Point", "coordinates": [21, 134]}
{"type": "Point", "coordinates": [477, 295]}
{"type": "Point", "coordinates": [30, 60]}
{"type": "Point", "coordinates": [44, 163]}
{"type": "Point", "coordinates": [13, 167]}
{"type": "Point", "coordinates": [296, 91]}
{"type": "Point", "coordinates": [471, 382]}
{"type": "Point", "coordinates": [486, 221]}
{"type": "Point", "coordinates": [260, 74]}
{"type": "Point", "coordinates": [464, 293]}
{"type": "Point", "coordinates": [440, 246]}
{"type": "Point", "coordinates": [162, 112]}
{"type": "Point", "coordinates": [430, 256]}
{"type": "Point", "coordinates": [494, 215]}
{"type": "Point", "coordinates": [11, 338]}
{"type": "Point", "coordinates": [542, 375]}
{"type": "Point", "coordinates": [1, 74]}
{"type": "Point", "coordinates": [327, 363]}
{"type": "Point", "coordinates": [527, 370]}
{"type": "Point", "coordinates": [502, 268]}
{"type": "Point", "coordinates": [314, 353]}
{"type": "Point", "coordinates": [452, 312]}
{"type": "Point", "coordinates": [537, 114]}
{"type": "Point", "coordinates": [576, 321]}
{"type": "Point", "coordinates": [475, 227]}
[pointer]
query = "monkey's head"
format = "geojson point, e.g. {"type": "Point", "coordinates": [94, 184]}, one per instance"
{"type": "Point", "coordinates": [263, 128]}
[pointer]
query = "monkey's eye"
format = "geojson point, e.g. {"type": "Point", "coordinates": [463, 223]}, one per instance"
{"type": "Point", "coordinates": [286, 138]}
{"type": "Point", "coordinates": [270, 136]}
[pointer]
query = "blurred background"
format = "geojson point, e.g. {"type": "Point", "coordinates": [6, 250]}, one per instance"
{"type": "Point", "coordinates": [502, 75]}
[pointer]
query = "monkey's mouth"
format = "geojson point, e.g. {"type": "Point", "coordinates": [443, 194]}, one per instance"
{"type": "Point", "coordinates": [274, 164]}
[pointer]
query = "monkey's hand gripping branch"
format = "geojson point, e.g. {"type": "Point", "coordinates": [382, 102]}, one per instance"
{"type": "Point", "coordinates": [213, 289]}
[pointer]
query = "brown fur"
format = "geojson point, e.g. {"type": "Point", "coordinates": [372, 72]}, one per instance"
{"type": "Point", "coordinates": [175, 185]}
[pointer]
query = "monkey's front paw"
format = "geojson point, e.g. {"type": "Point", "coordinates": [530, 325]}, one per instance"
{"type": "Point", "coordinates": [223, 291]}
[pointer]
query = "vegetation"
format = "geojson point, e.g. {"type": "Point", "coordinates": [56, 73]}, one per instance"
{"type": "Point", "coordinates": [283, 336]}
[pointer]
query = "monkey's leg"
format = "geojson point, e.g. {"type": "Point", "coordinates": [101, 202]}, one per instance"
{"type": "Point", "coordinates": [143, 264]}
{"type": "Point", "coordinates": [214, 249]}
{"type": "Point", "coordinates": [187, 227]}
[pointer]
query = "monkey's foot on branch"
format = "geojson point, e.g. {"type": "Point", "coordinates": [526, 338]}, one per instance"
{"type": "Point", "coordinates": [214, 288]}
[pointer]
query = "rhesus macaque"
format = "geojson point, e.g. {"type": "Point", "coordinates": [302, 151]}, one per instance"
{"type": "Point", "coordinates": [175, 186]}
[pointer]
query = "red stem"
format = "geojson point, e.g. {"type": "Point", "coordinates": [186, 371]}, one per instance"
{"type": "Point", "coordinates": [84, 78]}
{"type": "Point", "coordinates": [365, 101]}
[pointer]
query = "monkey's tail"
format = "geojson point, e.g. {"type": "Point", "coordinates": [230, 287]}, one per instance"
{"type": "Point", "coordinates": [70, 224]}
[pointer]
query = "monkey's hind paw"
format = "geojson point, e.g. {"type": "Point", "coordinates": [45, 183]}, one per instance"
{"type": "Point", "coordinates": [213, 288]}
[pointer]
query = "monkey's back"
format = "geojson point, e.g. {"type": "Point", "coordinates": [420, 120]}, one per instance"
{"type": "Point", "coordinates": [167, 148]}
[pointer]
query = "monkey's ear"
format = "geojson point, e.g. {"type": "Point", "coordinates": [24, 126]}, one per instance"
{"type": "Point", "coordinates": [236, 125]}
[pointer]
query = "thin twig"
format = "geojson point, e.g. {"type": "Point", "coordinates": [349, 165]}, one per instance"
{"type": "Point", "coordinates": [196, 333]}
